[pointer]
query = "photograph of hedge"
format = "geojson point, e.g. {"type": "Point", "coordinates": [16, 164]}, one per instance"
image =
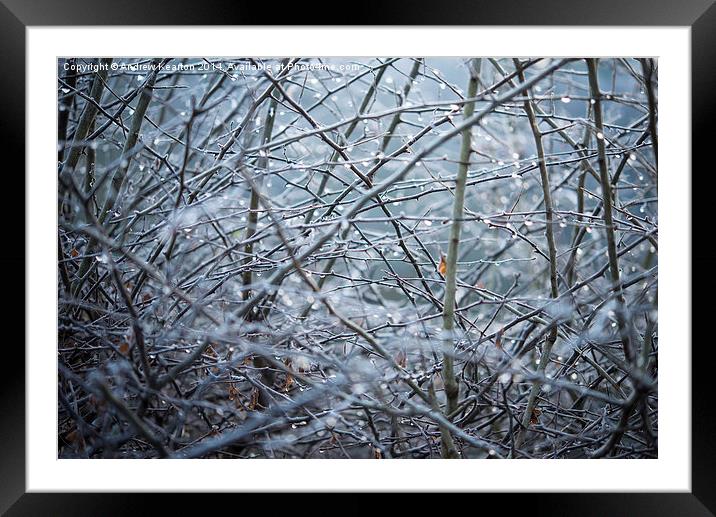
{"type": "Point", "coordinates": [393, 257]}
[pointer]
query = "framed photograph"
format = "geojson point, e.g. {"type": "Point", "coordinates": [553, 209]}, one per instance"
{"type": "Point", "coordinates": [422, 252]}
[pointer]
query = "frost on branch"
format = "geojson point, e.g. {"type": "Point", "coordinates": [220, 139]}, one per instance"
{"type": "Point", "coordinates": [255, 258]}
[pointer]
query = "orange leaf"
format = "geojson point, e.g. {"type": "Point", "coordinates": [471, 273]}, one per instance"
{"type": "Point", "coordinates": [401, 358]}
{"type": "Point", "coordinates": [74, 252]}
{"type": "Point", "coordinates": [289, 377]}
{"type": "Point", "coordinates": [498, 339]}
{"type": "Point", "coordinates": [289, 382]}
{"type": "Point", "coordinates": [254, 399]}
{"type": "Point", "coordinates": [442, 267]}
{"type": "Point", "coordinates": [233, 392]}
{"type": "Point", "coordinates": [534, 418]}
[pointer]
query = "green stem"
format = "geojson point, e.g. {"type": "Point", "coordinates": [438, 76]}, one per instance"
{"type": "Point", "coordinates": [552, 251]}
{"type": "Point", "coordinates": [252, 223]}
{"type": "Point", "coordinates": [607, 202]}
{"type": "Point", "coordinates": [121, 173]}
{"type": "Point", "coordinates": [647, 66]}
{"type": "Point", "coordinates": [88, 115]}
{"type": "Point", "coordinates": [452, 389]}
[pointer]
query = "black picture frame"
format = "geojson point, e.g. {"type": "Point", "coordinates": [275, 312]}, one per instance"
{"type": "Point", "coordinates": [700, 15]}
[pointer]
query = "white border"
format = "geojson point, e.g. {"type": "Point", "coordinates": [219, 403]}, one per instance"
{"type": "Point", "coordinates": [670, 472]}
